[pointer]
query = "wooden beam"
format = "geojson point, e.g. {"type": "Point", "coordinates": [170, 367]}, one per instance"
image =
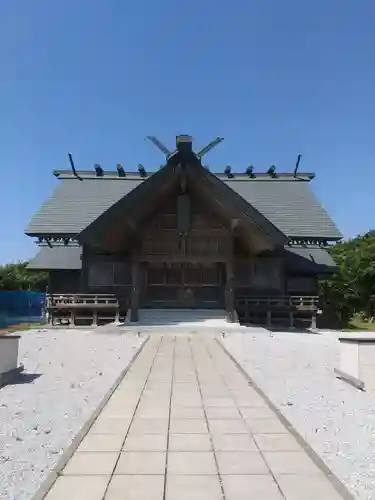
{"type": "Point", "coordinates": [230, 286]}
{"type": "Point", "coordinates": [135, 292]}
{"type": "Point", "coordinates": [184, 258]}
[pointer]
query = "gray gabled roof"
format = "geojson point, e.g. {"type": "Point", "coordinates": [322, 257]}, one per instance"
{"type": "Point", "coordinates": [288, 203]}
{"type": "Point", "coordinates": [75, 204]}
{"type": "Point", "coordinates": [309, 259]}
{"type": "Point", "coordinates": [57, 257]}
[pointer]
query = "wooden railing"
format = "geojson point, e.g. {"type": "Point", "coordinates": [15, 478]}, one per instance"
{"type": "Point", "coordinates": [289, 310]}
{"type": "Point", "coordinates": [79, 300]}
{"type": "Point", "coordinates": [296, 302]}
{"type": "Point", "coordinates": [87, 308]}
{"type": "Point", "coordinates": [94, 309]}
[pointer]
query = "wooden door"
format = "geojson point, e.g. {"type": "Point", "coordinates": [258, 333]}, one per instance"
{"type": "Point", "coordinates": [183, 285]}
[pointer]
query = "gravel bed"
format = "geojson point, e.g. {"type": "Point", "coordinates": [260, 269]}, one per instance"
{"type": "Point", "coordinates": [295, 370]}
{"type": "Point", "coordinates": [68, 373]}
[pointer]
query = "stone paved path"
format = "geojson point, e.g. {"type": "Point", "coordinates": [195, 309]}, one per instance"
{"type": "Point", "coordinates": [182, 425]}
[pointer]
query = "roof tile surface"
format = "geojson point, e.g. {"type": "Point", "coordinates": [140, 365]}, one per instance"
{"type": "Point", "coordinates": [289, 204]}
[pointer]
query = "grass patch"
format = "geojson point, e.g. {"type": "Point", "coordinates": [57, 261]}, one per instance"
{"type": "Point", "coordinates": [358, 324]}
{"type": "Point", "coordinates": [18, 328]}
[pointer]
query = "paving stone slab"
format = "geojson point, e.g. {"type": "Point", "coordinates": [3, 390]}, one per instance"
{"type": "Point", "coordinates": [149, 426]}
{"type": "Point", "coordinates": [125, 397]}
{"type": "Point", "coordinates": [250, 401]}
{"type": "Point", "coordinates": [155, 400]}
{"type": "Point", "coordinates": [136, 487]}
{"type": "Point", "coordinates": [277, 442]}
{"type": "Point", "coordinates": [255, 413]}
{"type": "Point", "coordinates": [222, 413]}
{"type": "Point", "coordinates": [155, 396]}
{"type": "Point", "coordinates": [307, 487]}
{"type": "Point", "coordinates": [233, 442]}
{"type": "Point", "coordinates": [290, 462]}
{"type": "Point", "coordinates": [189, 442]}
{"type": "Point", "coordinates": [219, 402]}
{"type": "Point", "coordinates": [91, 463]}
{"type": "Point", "coordinates": [186, 387]}
{"type": "Point", "coordinates": [101, 442]}
{"type": "Point", "coordinates": [186, 462]}
{"type": "Point", "coordinates": [188, 426]}
{"type": "Point", "coordinates": [210, 392]}
{"type": "Point", "coordinates": [145, 442]}
{"type": "Point", "coordinates": [158, 386]}
{"type": "Point", "coordinates": [228, 426]}
{"type": "Point", "coordinates": [78, 488]}
{"type": "Point", "coordinates": [140, 463]}
{"type": "Point", "coordinates": [190, 487]}
{"type": "Point", "coordinates": [111, 426]}
{"type": "Point", "coordinates": [184, 378]}
{"type": "Point", "coordinates": [152, 412]}
{"type": "Point", "coordinates": [183, 400]}
{"type": "Point", "coordinates": [180, 412]}
{"type": "Point", "coordinates": [244, 462]}
{"type": "Point", "coordinates": [257, 487]}
{"type": "Point", "coordinates": [118, 412]}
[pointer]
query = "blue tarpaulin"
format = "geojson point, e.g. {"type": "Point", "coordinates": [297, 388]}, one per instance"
{"type": "Point", "coordinates": [21, 307]}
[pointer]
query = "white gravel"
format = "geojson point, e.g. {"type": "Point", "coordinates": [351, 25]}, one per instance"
{"type": "Point", "coordinates": [39, 419]}
{"type": "Point", "coordinates": [295, 370]}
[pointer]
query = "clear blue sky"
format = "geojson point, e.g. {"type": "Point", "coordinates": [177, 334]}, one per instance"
{"type": "Point", "coordinates": [275, 78]}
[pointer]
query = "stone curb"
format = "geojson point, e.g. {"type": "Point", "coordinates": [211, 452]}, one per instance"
{"type": "Point", "coordinates": [355, 382]}
{"type": "Point", "coordinates": [334, 480]}
{"type": "Point", "coordinates": [69, 451]}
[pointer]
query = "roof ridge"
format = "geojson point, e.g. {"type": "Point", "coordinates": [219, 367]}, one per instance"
{"type": "Point", "coordinates": [234, 176]}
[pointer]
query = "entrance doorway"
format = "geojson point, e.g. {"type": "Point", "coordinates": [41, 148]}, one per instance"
{"type": "Point", "coordinates": [183, 285]}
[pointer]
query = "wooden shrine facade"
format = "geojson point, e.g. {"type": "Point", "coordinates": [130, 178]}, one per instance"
{"type": "Point", "coordinates": [180, 245]}
{"type": "Point", "coordinates": [183, 238]}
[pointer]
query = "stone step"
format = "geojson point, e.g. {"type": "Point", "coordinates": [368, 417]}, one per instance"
{"type": "Point", "coordinates": [216, 318]}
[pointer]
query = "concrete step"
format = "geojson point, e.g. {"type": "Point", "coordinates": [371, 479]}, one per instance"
{"type": "Point", "coordinates": [195, 318]}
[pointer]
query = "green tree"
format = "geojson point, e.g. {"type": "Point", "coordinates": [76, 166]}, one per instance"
{"type": "Point", "coordinates": [18, 277]}
{"type": "Point", "coordinates": [352, 290]}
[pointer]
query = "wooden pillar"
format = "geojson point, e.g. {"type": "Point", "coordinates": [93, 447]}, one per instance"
{"type": "Point", "coordinates": [117, 317]}
{"type": "Point", "coordinates": [49, 318]}
{"type": "Point", "coordinates": [47, 313]}
{"type": "Point", "coordinates": [291, 319]}
{"type": "Point", "coordinates": [72, 319]}
{"type": "Point", "coordinates": [313, 320]}
{"type": "Point", "coordinates": [291, 313]}
{"type": "Point", "coordinates": [269, 317]}
{"type": "Point", "coordinates": [134, 298]}
{"type": "Point", "coordinates": [229, 287]}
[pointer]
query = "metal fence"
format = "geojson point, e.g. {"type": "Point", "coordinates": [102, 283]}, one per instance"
{"type": "Point", "coordinates": [21, 307]}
